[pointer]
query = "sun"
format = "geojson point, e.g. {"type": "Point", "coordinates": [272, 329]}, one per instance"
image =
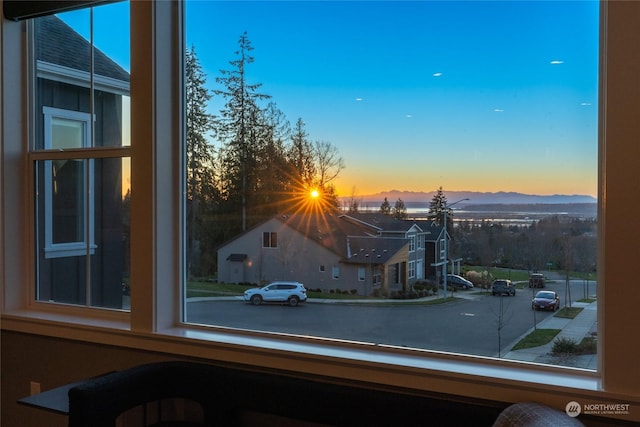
{"type": "Point", "coordinates": [314, 194]}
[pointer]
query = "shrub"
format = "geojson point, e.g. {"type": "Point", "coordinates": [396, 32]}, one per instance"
{"type": "Point", "coordinates": [564, 345]}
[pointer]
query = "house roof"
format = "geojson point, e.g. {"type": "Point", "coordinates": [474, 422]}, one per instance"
{"type": "Point", "coordinates": [383, 224]}
{"type": "Point", "coordinates": [374, 250]}
{"type": "Point", "coordinates": [350, 240]}
{"type": "Point", "coordinates": [326, 229]}
{"type": "Point", "coordinates": [58, 43]}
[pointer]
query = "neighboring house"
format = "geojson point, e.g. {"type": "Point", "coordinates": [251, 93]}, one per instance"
{"type": "Point", "coordinates": [366, 253]}
{"type": "Point", "coordinates": [323, 251]}
{"type": "Point", "coordinates": [79, 201]}
{"type": "Point", "coordinates": [426, 252]}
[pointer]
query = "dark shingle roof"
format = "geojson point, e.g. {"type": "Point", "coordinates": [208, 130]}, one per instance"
{"type": "Point", "coordinates": [326, 229]}
{"type": "Point", "coordinates": [58, 43]}
{"type": "Point", "coordinates": [387, 224]}
{"type": "Point", "coordinates": [374, 250]}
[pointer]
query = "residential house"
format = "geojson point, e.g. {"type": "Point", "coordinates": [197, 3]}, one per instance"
{"type": "Point", "coordinates": [366, 253]}
{"type": "Point", "coordinates": [426, 242]}
{"type": "Point", "coordinates": [323, 251]}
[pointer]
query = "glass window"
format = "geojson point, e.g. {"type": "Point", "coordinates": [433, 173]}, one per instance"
{"type": "Point", "coordinates": [269, 239]}
{"type": "Point", "coordinates": [79, 152]}
{"type": "Point", "coordinates": [309, 130]}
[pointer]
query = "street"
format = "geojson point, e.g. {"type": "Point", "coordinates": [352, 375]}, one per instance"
{"type": "Point", "coordinates": [469, 325]}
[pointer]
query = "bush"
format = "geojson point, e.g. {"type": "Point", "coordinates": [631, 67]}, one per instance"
{"type": "Point", "coordinates": [353, 291]}
{"type": "Point", "coordinates": [480, 279]}
{"type": "Point", "coordinates": [564, 345]}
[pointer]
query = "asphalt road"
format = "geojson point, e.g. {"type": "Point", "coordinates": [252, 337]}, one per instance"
{"type": "Point", "coordinates": [466, 326]}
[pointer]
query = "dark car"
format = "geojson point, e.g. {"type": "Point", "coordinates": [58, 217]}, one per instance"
{"type": "Point", "coordinates": [546, 300]}
{"type": "Point", "coordinates": [455, 281]}
{"type": "Point", "coordinates": [502, 287]}
{"type": "Point", "coordinates": [536, 280]}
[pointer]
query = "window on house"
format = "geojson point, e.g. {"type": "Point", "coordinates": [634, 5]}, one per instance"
{"type": "Point", "coordinates": [412, 269]}
{"type": "Point", "coordinates": [361, 274]}
{"type": "Point", "coordinates": [335, 272]}
{"type": "Point", "coordinates": [412, 243]}
{"type": "Point", "coordinates": [67, 186]}
{"type": "Point", "coordinates": [321, 269]}
{"type": "Point", "coordinates": [269, 239]}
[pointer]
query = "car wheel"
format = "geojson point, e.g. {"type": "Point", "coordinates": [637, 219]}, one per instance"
{"type": "Point", "coordinates": [256, 300]}
{"type": "Point", "coordinates": [293, 301]}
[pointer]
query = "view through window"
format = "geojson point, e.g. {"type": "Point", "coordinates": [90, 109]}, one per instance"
{"type": "Point", "coordinates": [424, 169]}
{"type": "Point", "coordinates": [80, 156]}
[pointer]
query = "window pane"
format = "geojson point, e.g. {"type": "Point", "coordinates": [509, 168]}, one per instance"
{"type": "Point", "coordinates": [459, 141]}
{"type": "Point", "coordinates": [81, 101]}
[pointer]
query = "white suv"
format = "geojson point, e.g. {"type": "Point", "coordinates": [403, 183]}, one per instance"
{"type": "Point", "coordinates": [289, 292]}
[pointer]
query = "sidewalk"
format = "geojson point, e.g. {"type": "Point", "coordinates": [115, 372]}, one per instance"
{"type": "Point", "coordinates": [584, 324]}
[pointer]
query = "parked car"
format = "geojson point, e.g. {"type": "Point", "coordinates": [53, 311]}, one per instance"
{"type": "Point", "coordinates": [546, 300]}
{"type": "Point", "coordinates": [289, 292]}
{"type": "Point", "coordinates": [536, 280]}
{"type": "Point", "coordinates": [503, 286]}
{"type": "Point", "coordinates": [458, 282]}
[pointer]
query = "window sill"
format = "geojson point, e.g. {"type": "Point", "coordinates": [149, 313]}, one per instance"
{"type": "Point", "coordinates": [376, 365]}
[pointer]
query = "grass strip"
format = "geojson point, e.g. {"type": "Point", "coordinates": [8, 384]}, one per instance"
{"type": "Point", "coordinates": [568, 312]}
{"type": "Point", "coordinates": [536, 338]}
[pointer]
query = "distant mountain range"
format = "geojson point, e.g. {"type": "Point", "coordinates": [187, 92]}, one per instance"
{"type": "Point", "coordinates": [412, 198]}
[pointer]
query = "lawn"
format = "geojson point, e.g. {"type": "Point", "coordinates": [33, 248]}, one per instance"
{"type": "Point", "coordinates": [537, 338]}
{"type": "Point", "coordinates": [568, 312]}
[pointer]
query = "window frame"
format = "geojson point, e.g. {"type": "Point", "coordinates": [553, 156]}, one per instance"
{"type": "Point", "coordinates": [155, 324]}
{"type": "Point", "coordinates": [87, 244]}
{"type": "Point", "coordinates": [271, 236]}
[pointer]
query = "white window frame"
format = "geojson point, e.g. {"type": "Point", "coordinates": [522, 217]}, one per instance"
{"type": "Point", "coordinates": [411, 269]}
{"type": "Point", "coordinates": [419, 269]}
{"type": "Point", "coordinates": [81, 247]}
{"type": "Point", "coordinates": [412, 243]}
{"type": "Point", "coordinates": [362, 274]}
{"type": "Point", "coordinates": [154, 325]}
{"type": "Point", "coordinates": [335, 272]}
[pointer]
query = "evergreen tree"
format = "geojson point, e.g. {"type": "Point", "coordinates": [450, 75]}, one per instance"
{"type": "Point", "coordinates": [399, 210]}
{"type": "Point", "coordinates": [201, 189]}
{"type": "Point", "coordinates": [272, 192]}
{"type": "Point", "coordinates": [238, 129]}
{"type": "Point", "coordinates": [437, 207]}
{"type": "Point", "coordinates": [301, 158]}
{"type": "Point", "coordinates": [385, 207]}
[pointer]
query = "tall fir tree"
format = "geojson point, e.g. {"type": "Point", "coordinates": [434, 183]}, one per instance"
{"type": "Point", "coordinates": [385, 207]}
{"type": "Point", "coordinates": [238, 128]}
{"type": "Point", "coordinates": [201, 189]}
{"type": "Point", "coordinates": [437, 206]}
{"type": "Point", "coordinates": [399, 211]}
{"type": "Point", "coordinates": [301, 157]}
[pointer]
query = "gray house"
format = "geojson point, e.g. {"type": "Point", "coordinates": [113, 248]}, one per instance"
{"type": "Point", "coordinates": [363, 253]}
{"type": "Point", "coordinates": [426, 252]}
{"type": "Point", "coordinates": [323, 251]}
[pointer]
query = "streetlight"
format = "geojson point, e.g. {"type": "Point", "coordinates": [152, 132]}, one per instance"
{"type": "Point", "coordinates": [446, 253]}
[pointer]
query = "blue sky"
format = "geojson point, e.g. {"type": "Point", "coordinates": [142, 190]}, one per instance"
{"type": "Point", "coordinates": [481, 96]}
